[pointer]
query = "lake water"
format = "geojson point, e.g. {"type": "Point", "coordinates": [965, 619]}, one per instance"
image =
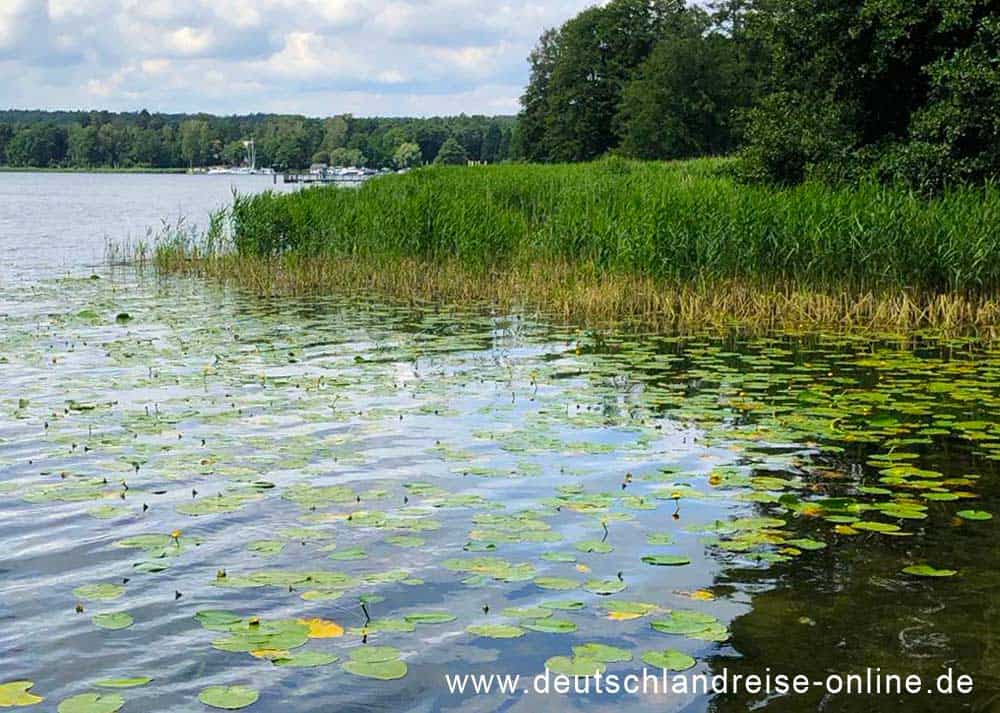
{"type": "Point", "coordinates": [60, 222]}
{"type": "Point", "coordinates": [187, 474]}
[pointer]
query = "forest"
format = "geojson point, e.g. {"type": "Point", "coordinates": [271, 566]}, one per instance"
{"type": "Point", "coordinates": [101, 139]}
{"type": "Point", "coordinates": [907, 92]}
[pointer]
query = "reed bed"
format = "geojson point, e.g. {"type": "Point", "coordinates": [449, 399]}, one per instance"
{"type": "Point", "coordinates": [667, 245]}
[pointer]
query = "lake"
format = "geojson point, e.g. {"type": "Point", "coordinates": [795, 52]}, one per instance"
{"type": "Point", "coordinates": [333, 504]}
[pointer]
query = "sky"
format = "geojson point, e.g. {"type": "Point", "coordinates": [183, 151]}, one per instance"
{"type": "Point", "coordinates": [313, 57]}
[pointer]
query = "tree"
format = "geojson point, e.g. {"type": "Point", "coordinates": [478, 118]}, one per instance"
{"type": "Point", "coordinates": [347, 158]}
{"type": "Point", "coordinates": [914, 86]}
{"type": "Point", "coordinates": [146, 148]}
{"type": "Point", "coordinates": [335, 131]}
{"type": "Point", "coordinates": [452, 153]}
{"type": "Point", "coordinates": [682, 101]}
{"type": "Point", "coordinates": [491, 143]}
{"type": "Point", "coordinates": [407, 155]}
{"type": "Point", "coordinates": [42, 145]}
{"type": "Point", "coordinates": [195, 142]}
{"type": "Point", "coordinates": [531, 132]}
{"type": "Point", "coordinates": [101, 138]}
{"type": "Point", "coordinates": [578, 73]}
{"type": "Point", "coordinates": [6, 132]}
{"type": "Point", "coordinates": [234, 153]}
{"type": "Point", "coordinates": [83, 149]}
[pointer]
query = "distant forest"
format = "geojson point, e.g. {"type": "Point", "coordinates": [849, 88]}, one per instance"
{"type": "Point", "coordinates": [101, 139]}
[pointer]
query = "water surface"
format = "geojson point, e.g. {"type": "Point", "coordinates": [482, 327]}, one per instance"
{"type": "Point", "coordinates": [189, 449]}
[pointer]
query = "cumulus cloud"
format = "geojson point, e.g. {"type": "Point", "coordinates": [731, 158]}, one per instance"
{"type": "Point", "coordinates": [387, 57]}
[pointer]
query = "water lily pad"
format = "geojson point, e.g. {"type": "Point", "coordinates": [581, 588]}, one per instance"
{"type": "Point", "coordinates": [379, 670]}
{"type": "Point", "coordinates": [99, 592]}
{"type": "Point", "coordinates": [113, 621]}
{"type": "Point", "coordinates": [16, 694]}
{"type": "Point", "coordinates": [669, 660]}
{"type": "Point", "coordinates": [556, 583]}
{"type": "Point", "coordinates": [92, 703]}
{"type": "Point", "coordinates": [693, 624]}
{"type": "Point", "coordinates": [980, 515]}
{"type": "Point", "coordinates": [602, 652]}
{"type": "Point", "coordinates": [925, 570]}
{"type": "Point", "coordinates": [876, 527]}
{"type": "Point", "coordinates": [136, 682]}
{"type": "Point", "coordinates": [551, 626]}
{"type": "Point", "coordinates": [604, 587]}
{"type": "Point", "coordinates": [266, 547]}
{"type": "Point", "coordinates": [306, 659]}
{"type": "Point", "coordinates": [574, 666]}
{"type": "Point", "coordinates": [496, 631]}
{"type": "Point", "coordinates": [527, 612]}
{"type": "Point", "coordinates": [230, 698]}
{"type": "Point", "coordinates": [216, 620]}
{"type": "Point", "coordinates": [563, 605]}
{"type": "Point", "coordinates": [429, 618]}
{"type": "Point", "coordinates": [666, 560]}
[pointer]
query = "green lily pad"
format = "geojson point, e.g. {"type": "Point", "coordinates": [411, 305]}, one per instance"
{"type": "Point", "coordinates": [429, 618]}
{"type": "Point", "coordinates": [669, 660]}
{"type": "Point", "coordinates": [563, 605]}
{"type": "Point", "coordinates": [980, 515]}
{"type": "Point", "coordinates": [306, 659]}
{"type": "Point", "coordinates": [604, 587]}
{"type": "Point", "coordinates": [574, 666]}
{"type": "Point", "coordinates": [876, 527]}
{"type": "Point", "coordinates": [99, 592]}
{"type": "Point", "coordinates": [602, 653]}
{"type": "Point", "coordinates": [666, 560]}
{"type": "Point", "coordinates": [379, 670]}
{"type": "Point", "coordinates": [806, 544]}
{"type": "Point", "coordinates": [230, 698]}
{"type": "Point", "coordinates": [556, 583]}
{"type": "Point", "coordinates": [92, 703]}
{"type": "Point", "coordinates": [496, 631]}
{"type": "Point", "coordinates": [266, 547]}
{"type": "Point", "coordinates": [925, 570]}
{"type": "Point", "coordinates": [136, 682]}
{"type": "Point", "coordinates": [550, 626]}
{"type": "Point", "coordinates": [527, 612]}
{"type": "Point", "coordinates": [215, 620]}
{"type": "Point", "coordinates": [114, 621]}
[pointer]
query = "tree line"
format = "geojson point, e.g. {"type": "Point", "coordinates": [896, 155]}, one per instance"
{"type": "Point", "coordinates": [836, 89]}
{"type": "Point", "coordinates": [102, 139]}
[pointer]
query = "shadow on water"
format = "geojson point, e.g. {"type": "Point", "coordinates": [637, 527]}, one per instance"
{"type": "Point", "coordinates": [848, 608]}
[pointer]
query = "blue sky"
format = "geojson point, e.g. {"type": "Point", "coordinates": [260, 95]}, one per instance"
{"type": "Point", "coordinates": [316, 57]}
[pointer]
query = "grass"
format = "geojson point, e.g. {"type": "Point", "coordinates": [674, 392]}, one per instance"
{"type": "Point", "coordinates": [662, 244]}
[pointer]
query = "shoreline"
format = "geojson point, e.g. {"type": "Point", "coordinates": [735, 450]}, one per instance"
{"type": "Point", "coordinates": [26, 169]}
{"type": "Point", "coordinates": [590, 298]}
{"type": "Point", "coordinates": [667, 245]}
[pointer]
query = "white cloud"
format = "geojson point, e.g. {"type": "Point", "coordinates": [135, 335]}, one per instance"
{"type": "Point", "coordinates": [397, 57]}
